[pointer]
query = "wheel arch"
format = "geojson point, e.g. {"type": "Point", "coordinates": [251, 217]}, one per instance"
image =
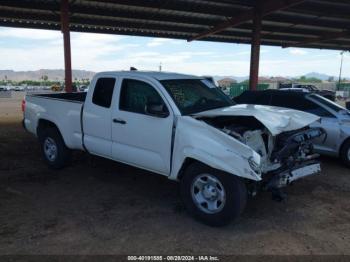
{"type": "Point", "coordinates": [45, 124]}
{"type": "Point", "coordinates": [191, 155]}
{"type": "Point", "coordinates": [343, 144]}
{"type": "Point", "coordinates": [186, 163]}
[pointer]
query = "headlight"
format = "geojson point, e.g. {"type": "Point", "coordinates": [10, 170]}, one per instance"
{"type": "Point", "coordinates": [254, 165]}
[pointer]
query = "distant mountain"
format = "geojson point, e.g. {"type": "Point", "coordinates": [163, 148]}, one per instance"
{"type": "Point", "coordinates": [237, 78]}
{"type": "Point", "coordinates": [318, 76]}
{"type": "Point", "coordinates": [323, 77]}
{"type": "Point", "coordinates": [52, 74]}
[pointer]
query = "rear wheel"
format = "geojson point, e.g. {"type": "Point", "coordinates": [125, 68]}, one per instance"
{"type": "Point", "coordinates": [53, 148]}
{"type": "Point", "coordinates": [345, 153]}
{"type": "Point", "coordinates": [212, 196]}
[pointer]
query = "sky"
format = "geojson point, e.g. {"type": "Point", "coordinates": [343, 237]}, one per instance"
{"type": "Point", "coordinates": [29, 49]}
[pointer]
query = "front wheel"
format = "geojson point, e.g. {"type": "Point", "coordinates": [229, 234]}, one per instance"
{"type": "Point", "coordinates": [212, 196]}
{"type": "Point", "coordinates": [345, 153]}
{"type": "Point", "coordinates": [53, 148]}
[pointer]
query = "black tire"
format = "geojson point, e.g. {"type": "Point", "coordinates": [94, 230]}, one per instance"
{"type": "Point", "coordinates": [63, 154]}
{"type": "Point", "coordinates": [345, 153]}
{"type": "Point", "coordinates": [234, 188]}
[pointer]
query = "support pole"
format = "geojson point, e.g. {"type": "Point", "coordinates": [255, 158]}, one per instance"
{"type": "Point", "coordinates": [255, 50]}
{"type": "Point", "coordinates": [66, 44]}
{"type": "Point", "coordinates": [341, 67]}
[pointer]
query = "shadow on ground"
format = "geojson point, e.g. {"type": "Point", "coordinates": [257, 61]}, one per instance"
{"type": "Point", "coordinates": [97, 206]}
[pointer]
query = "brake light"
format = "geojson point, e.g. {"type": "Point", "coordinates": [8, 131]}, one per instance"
{"type": "Point", "coordinates": [23, 105]}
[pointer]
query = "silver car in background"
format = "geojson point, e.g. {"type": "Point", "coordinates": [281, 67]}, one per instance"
{"type": "Point", "coordinates": [337, 126]}
{"type": "Point", "coordinates": [335, 119]}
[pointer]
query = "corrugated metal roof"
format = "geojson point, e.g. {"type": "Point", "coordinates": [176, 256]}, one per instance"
{"type": "Point", "coordinates": [311, 23]}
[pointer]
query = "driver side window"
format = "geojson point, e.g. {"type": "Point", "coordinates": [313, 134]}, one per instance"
{"type": "Point", "coordinates": [135, 95]}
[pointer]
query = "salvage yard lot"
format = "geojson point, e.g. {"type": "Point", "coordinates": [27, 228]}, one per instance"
{"type": "Point", "coordinates": [97, 206]}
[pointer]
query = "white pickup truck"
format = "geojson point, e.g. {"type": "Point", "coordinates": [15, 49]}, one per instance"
{"type": "Point", "coordinates": [182, 127]}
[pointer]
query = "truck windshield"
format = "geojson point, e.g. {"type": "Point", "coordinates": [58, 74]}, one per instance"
{"type": "Point", "coordinates": [196, 95]}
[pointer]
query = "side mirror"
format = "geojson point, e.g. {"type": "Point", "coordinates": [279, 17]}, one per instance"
{"type": "Point", "coordinates": [157, 110]}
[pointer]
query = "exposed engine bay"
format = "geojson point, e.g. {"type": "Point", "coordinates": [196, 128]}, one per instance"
{"type": "Point", "coordinates": [280, 152]}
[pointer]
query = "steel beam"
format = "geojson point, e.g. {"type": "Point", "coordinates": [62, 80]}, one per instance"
{"type": "Point", "coordinates": [326, 22]}
{"type": "Point", "coordinates": [268, 7]}
{"type": "Point", "coordinates": [205, 7]}
{"type": "Point", "coordinates": [339, 45]}
{"type": "Point", "coordinates": [323, 38]}
{"type": "Point", "coordinates": [269, 31]}
{"type": "Point", "coordinates": [255, 50]}
{"type": "Point", "coordinates": [66, 45]}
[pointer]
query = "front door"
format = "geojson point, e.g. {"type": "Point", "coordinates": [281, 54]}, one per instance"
{"type": "Point", "coordinates": [141, 139]}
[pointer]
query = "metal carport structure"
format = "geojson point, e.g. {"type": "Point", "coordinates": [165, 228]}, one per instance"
{"type": "Point", "coordinates": [323, 24]}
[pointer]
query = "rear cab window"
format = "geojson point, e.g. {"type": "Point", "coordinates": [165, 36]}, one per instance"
{"type": "Point", "coordinates": [103, 91]}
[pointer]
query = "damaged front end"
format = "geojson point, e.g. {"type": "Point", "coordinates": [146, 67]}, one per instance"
{"type": "Point", "coordinates": [285, 157]}
{"type": "Point", "coordinates": [294, 151]}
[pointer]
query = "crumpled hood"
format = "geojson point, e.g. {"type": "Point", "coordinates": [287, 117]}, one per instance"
{"type": "Point", "coordinates": [275, 119]}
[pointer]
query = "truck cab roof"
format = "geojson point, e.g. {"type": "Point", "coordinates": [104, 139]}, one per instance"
{"type": "Point", "coordinates": [153, 74]}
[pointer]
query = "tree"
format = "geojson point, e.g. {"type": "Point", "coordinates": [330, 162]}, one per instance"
{"type": "Point", "coordinates": [304, 79]}
{"type": "Point", "coordinates": [245, 81]}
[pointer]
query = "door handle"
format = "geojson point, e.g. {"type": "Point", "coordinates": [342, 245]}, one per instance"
{"type": "Point", "coordinates": [119, 121]}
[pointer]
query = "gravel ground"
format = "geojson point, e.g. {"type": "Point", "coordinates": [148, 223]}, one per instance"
{"type": "Point", "coordinates": [97, 206]}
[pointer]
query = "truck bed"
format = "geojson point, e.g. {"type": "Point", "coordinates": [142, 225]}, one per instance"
{"type": "Point", "coordinates": [62, 109]}
{"type": "Point", "coordinates": [72, 97]}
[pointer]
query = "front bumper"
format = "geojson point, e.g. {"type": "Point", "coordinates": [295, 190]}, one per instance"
{"type": "Point", "coordinates": [285, 177]}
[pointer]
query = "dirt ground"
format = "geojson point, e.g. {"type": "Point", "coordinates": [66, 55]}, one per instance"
{"type": "Point", "coordinates": [97, 206]}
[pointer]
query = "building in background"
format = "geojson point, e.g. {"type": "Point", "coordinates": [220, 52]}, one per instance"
{"type": "Point", "coordinates": [226, 82]}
